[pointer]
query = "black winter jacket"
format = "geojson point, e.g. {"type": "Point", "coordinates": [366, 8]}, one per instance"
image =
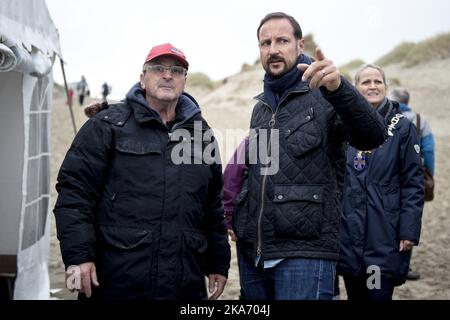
{"type": "Point", "coordinates": [296, 212]}
{"type": "Point", "coordinates": [383, 201]}
{"type": "Point", "coordinates": [152, 227]}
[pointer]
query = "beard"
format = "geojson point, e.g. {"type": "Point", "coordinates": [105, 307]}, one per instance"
{"type": "Point", "coordinates": [279, 71]}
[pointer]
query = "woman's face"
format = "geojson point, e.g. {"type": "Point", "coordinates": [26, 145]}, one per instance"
{"type": "Point", "coordinates": [371, 85]}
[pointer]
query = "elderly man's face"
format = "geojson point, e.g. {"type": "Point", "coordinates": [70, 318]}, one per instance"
{"type": "Point", "coordinates": [166, 86]}
{"type": "Point", "coordinates": [278, 47]}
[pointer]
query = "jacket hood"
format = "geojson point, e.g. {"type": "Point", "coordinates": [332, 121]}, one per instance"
{"type": "Point", "coordinates": [388, 108]}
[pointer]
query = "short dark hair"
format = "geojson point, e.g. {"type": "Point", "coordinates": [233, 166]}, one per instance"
{"type": "Point", "coordinates": [281, 15]}
{"type": "Point", "coordinates": [400, 95]}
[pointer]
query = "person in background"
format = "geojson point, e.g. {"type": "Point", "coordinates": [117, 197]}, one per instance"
{"type": "Point", "coordinates": [382, 200]}
{"type": "Point", "coordinates": [82, 89]}
{"type": "Point", "coordinates": [287, 218]}
{"type": "Point", "coordinates": [234, 179]}
{"type": "Point", "coordinates": [134, 222]}
{"type": "Point", "coordinates": [106, 90]}
{"type": "Point", "coordinates": [427, 145]}
{"type": "Point", "coordinates": [69, 101]}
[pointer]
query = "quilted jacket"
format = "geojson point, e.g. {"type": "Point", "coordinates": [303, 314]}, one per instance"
{"type": "Point", "coordinates": [295, 211]}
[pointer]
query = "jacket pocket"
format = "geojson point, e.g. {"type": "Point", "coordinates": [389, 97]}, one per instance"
{"type": "Point", "coordinates": [297, 211]}
{"type": "Point", "coordinates": [303, 135]}
{"type": "Point", "coordinates": [192, 284]}
{"type": "Point", "coordinates": [240, 213]}
{"type": "Point", "coordinates": [390, 197]}
{"type": "Point", "coordinates": [136, 147]}
{"type": "Point", "coordinates": [124, 260]}
{"type": "Point", "coordinates": [134, 163]}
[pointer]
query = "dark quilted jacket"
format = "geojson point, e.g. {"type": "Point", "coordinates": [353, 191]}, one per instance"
{"type": "Point", "coordinates": [296, 212]}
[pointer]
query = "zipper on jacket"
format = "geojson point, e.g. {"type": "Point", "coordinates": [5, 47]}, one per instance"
{"type": "Point", "coordinates": [263, 192]}
{"type": "Point", "coordinates": [264, 180]}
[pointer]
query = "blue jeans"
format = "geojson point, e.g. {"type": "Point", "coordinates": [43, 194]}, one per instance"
{"type": "Point", "coordinates": [291, 279]}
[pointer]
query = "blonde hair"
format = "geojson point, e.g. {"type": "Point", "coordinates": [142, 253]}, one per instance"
{"type": "Point", "coordinates": [366, 66]}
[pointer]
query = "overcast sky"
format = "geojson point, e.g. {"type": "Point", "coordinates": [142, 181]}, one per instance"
{"type": "Point", "coordinates": [108, 40]}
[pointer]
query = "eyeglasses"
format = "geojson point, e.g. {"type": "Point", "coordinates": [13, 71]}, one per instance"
{"type": "Point", "coordinates": [160, 70]}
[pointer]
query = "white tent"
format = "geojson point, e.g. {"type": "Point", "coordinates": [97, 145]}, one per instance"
{"type": "Point", "coordinates": [29, 44]}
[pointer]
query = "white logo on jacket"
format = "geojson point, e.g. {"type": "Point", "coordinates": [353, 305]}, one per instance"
{"type": "Point", "coordinates": [417, 148]}
{"type": "Point", "coordinates": [394, 122]}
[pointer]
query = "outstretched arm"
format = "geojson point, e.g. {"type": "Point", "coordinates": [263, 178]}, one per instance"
{"type": "Point", "coordinates": [364, 128]}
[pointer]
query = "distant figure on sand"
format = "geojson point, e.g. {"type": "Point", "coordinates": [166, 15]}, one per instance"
{"type": "Point", "coordinates": [106, 90]}
{"type": "Point", "coordinates": [69, 101]}
{"type": "Point", "coordinates": [82, 88]}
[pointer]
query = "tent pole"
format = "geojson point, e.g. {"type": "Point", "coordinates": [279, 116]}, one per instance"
{"type": "Point", "coordinates": [69, 101]}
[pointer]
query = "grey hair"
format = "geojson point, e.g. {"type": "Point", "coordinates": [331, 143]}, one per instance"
{"type": "Point", "coordinates": [400, 95]}
{"type": "Point", "coordinates": [366, 66]}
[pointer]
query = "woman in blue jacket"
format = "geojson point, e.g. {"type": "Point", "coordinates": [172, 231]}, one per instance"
{"type": "Point", "coordinates": [382, 200]}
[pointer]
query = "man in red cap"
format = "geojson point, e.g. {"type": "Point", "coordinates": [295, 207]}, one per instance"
{"type": "Point", "coordinates": [135, 222]}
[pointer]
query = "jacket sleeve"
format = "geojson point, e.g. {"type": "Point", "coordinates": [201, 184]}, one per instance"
{"type": "Point", "coordinates": [218, 254]}
{"type": "Point", "coordinates": [411, 186]}
{"type": "Point", "coordinates": [427, 145]}
{"type": "Point", "coordinates": [364, 128]}
{"type": "Point", "coordinates": [233, 178]}
{"type": "Point", "coordinates": [79, 184]}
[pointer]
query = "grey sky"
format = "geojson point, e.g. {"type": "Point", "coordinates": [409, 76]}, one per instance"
{"type": "Point", "coordinates": [107, 40]}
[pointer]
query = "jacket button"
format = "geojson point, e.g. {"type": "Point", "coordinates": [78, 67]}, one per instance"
{"type": "Point", "coordinates": [316, 197]}
{"type": "Point", "coordinates": [308, 118]}
{"type": "Point", "coordinates": [119, 123]}
{"type": "Point", "coordinates": [288, 131]}
{"type": "Point", "coordinates": [280, 197]}
{"type": "Point", "coordinates": [106, 117]}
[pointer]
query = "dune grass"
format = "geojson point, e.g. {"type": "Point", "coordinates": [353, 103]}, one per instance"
{"type": "Point", "coordinates": [199, 79]}
{"type": "Point", "coordinates": [410, 54]}
{"type": "Point", "coordinates": [436, 48]}
{"type": "Point", "coordinates": [352, 65]}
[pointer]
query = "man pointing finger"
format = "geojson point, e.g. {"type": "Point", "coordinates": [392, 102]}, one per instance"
{"type": "Point", "coordinates": [287, 222]}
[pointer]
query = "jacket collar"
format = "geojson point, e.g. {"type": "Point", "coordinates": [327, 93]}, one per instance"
{"type": "Point", "coordinates": [301, 87]}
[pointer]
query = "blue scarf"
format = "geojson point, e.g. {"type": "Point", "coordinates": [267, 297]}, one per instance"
{"type": "Point", "coordinates": [275, 88]}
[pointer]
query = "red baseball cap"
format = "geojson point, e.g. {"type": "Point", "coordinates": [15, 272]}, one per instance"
{"type": "Point", "coordinates": [167, 50]}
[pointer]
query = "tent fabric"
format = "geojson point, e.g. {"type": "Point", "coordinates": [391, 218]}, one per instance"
{"type": "Point", "coordinates": [29, 43]}
{"type": "Point", "coordinates": [27, 23]}
{"type": "Point", "coordinates": [20, 60]}
{"type": "Point", "coordinates": [8, 59]}
{"type": "Point", "coordinates": [32, 280]}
